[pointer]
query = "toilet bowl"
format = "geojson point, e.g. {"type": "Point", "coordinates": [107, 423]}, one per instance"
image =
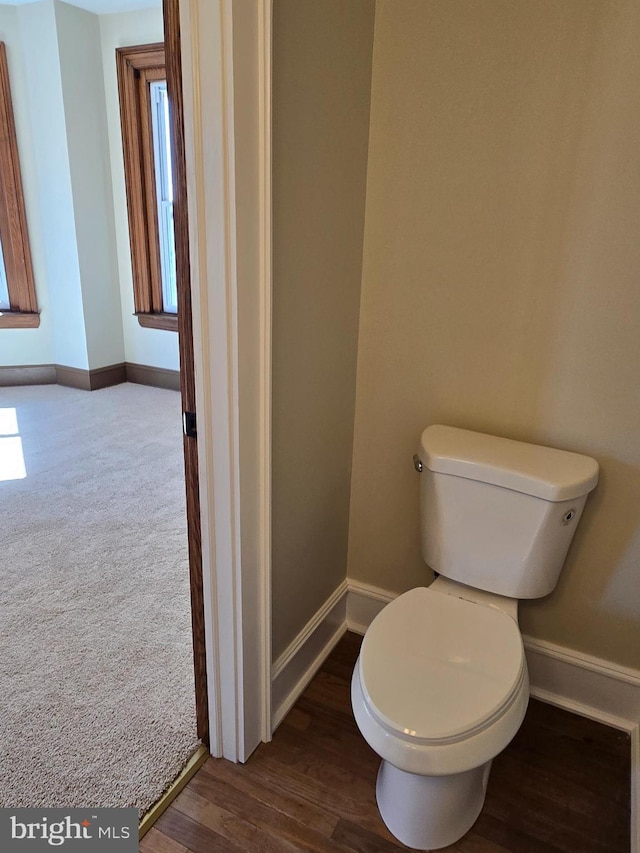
{"type": "Point", "coordinates": [441, 684]}
{"type": "Point", "coordinates": [439, 689]}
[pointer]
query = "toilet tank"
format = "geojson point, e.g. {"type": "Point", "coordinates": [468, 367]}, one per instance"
{"type": "Point", "coordinates": [499, 515]}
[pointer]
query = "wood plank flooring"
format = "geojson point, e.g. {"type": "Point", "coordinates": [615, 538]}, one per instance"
{"type": "Point", "coordinates": [561, 786]}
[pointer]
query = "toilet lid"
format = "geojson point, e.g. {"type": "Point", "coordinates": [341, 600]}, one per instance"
{"type": "Point", "coordinates": [437, 667]}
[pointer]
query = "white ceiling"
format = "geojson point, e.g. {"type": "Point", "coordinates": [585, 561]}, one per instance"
{"type": "Point", "coordinates": [99, 7]}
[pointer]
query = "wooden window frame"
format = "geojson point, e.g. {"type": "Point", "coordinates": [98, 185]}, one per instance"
{"type": "Point", "coordinates": [23, 310]}
{"type": "Point", "coordinates": [137, 67]}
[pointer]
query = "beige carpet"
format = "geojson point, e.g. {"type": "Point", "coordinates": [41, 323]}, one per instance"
{"type": "Point", "coordinates": [96, 683]}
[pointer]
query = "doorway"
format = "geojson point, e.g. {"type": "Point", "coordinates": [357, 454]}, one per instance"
{"type": "Point", "coordinates": [76, 353]}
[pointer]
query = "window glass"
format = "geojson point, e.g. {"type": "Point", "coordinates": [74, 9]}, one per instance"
{"type": "Point", "coordinates": [4, 288]}
{"type": "Point", "coordinates": [164, 192]}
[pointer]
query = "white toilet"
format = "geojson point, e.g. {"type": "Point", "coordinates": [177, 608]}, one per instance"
{"type": "Point", "coordinates": [441, 684]}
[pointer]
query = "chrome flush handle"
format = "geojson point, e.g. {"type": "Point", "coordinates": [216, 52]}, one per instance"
{"type": "Point", "coordinates": [417, 463]}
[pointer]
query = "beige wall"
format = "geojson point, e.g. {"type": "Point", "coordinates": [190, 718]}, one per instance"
{"type": "Point", "coordinates": [501, 279]}
{"type": "Point", "coordinates": [321, 88]}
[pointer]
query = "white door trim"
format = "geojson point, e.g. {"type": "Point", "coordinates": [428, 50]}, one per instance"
{"type": "Point", "coordinates": [226, 51]}
{"type": "Point", "coordinates": [265, 38]}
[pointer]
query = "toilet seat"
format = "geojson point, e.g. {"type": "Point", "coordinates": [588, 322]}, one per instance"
{"type": "Point", "coordinates": [441, 683]}
{"type": "Point", "coordinates": [438, 668]}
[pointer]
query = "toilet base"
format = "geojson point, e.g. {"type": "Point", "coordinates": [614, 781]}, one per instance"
{"type": "Point", "coordinates": [430, 812]}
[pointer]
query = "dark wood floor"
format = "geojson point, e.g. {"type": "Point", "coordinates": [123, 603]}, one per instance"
{"type": "Point", "coordinates": [563, 784]}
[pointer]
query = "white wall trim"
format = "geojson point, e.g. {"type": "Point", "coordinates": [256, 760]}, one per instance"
{"type": "Point", "coordinates": [587, 685]}
{"type": "Point", "coordinates": [220, 62]}
{"type": "Point", "coordinates": [302, 658]}
{"type": "Point", "coordinates": [265, 16]}
{"type": "Point", "coordinates": [364, 602]}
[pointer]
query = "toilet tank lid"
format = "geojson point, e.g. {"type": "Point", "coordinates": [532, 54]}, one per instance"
{"type": "Point", "coordinates": [544, 472]}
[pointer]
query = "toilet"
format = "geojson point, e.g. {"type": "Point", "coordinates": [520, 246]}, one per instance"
{"type": "Point", "coordinates": [441, 685]}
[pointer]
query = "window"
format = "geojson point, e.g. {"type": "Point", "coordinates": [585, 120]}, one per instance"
{"type": "Point", "coordinates": [144, 113]}
{"type": "Point", "coordinates": [18, 307]}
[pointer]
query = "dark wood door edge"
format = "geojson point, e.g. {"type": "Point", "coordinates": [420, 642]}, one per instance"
{"type": "Point", "coordinates": [173, 62]}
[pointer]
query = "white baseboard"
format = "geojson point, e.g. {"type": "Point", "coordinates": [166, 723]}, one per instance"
{"type": "Point", "coordinates": [302, 658]}
{"type": "Point", "coordinates": [580, 683]}
{"type": "Point", "coordinates": [364, 602]}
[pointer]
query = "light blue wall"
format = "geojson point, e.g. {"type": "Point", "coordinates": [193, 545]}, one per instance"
{"type": "Point", "coordinates": [26, 346]}
{"type": "Point", "coordinates": [65, 95]}
{"type": "Point", "coordinates": [61, 272]}
{"type": "Point", "coordinates": [79, 49]}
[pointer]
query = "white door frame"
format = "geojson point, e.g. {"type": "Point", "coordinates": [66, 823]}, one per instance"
{"type": "Point", "coordinates": [226, 69]}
